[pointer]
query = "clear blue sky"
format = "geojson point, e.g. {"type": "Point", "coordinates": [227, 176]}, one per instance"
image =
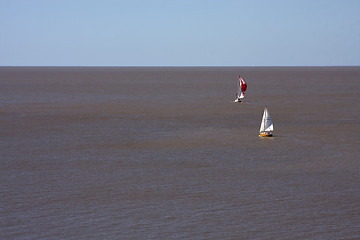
{"type": "Point", "coordinates": [179, 32]}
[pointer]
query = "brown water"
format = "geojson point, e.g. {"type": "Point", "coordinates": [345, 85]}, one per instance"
{"type": "Point", "coordinates": [164, 153]}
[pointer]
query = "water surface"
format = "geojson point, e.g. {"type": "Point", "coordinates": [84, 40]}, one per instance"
{"type": "Point", "coordinates": [164, 153]}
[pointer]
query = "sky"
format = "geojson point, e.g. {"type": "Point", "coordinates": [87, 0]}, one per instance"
{"type": "Point", "coordinates": [179, 32]}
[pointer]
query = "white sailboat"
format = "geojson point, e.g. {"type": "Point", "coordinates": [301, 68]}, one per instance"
{"type": "Point", "coordinates": [267, 126]}
{"type": "Point", "coordinates": [240, 91]}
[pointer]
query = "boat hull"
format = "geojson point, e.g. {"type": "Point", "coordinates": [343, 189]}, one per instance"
{"type": "Point", "coordinates": [265, 134]}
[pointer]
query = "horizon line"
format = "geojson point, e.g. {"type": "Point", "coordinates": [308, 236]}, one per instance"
{"type": "Point", "coordinates": [179, 66]}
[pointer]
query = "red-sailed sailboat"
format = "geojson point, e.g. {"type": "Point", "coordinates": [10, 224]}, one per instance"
{"type": "Point", "coordinates": [241, 88]}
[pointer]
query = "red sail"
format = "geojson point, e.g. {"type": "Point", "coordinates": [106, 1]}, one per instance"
{"type": "Point", "coordinates": [243, 85]}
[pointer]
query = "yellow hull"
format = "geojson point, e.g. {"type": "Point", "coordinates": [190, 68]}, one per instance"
{"type": "Point", "coordinates": [264, 134]}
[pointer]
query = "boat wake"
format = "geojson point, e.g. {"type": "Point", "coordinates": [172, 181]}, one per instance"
{"type": "Point", "coordinates": [254, 103]}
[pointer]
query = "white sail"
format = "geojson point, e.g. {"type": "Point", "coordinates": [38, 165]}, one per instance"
{"type": "Point", "coordinates": [266, 122]}
{"type": "Point", "coordinates": [238, 90]}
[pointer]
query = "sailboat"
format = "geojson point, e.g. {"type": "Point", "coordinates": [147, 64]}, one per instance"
{"type": "Point", "coordinates": [267, 126]}
{"type": "Point", "coordinates": [241, 88]}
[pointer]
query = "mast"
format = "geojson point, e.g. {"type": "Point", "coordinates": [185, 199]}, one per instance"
{"type": "Point", "coordinates": [265, 118]}
{"type": "Point", "coordinates": [238, 89]}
